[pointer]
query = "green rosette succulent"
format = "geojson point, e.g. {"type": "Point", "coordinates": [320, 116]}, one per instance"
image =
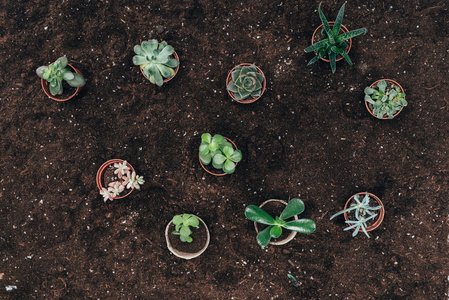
{"type": "Point", "coordinates": [55, 73]}
{"type": "Point", "coordinates": [155, 60]}
{"type": "Point", "coordinates": [385, 99]}
{"type": "Point", "coordinates": [246, 81]}
{"type": "Point", "coordinates": [218, 151]}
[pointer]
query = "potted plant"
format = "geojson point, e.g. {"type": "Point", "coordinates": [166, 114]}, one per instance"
{"type": "Point", "coordinates": [360, 216]}
{"type": "Point", "coordinates": [221, 152]}
{"type": "Point", "coordinates": [186, 242]}
{"type": "Point", "coordinates": [54, 75]}
{"type": "Point", "coordinates": [288, 219]}
{"type": "Point", "coordinates": [118, 176]}
{"type": "Point", "coordinates": [246, 83]}
{"type": "Point", "coordinates": [385, 99]}
{"type": "Point", "coordinates": [328, 42]}
{"type": "Point", "coordinates": [156, 61]}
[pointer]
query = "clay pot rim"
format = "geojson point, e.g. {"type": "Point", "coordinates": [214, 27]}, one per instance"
{"type": "Point", "coordinates": [342, 28]}
{"type": "Point", "coordinates": [201, 163]}
{"type": "Point", "coordinates": [292, 234]}
{"type": "Point", "coordinates": [368, 105]}
{"type": "Point", "coordinates": [379, 218]}
{"type": "Point", "coordinates": [264, 84]}
{"type": "Point", "coordinates": [175, 56]}
{"type": "Point", "coordinates": [186, 255]}
{"type": "Point", "coordinates": [102, 169]}
{"type": "Point", "coordinates": [45, 84]}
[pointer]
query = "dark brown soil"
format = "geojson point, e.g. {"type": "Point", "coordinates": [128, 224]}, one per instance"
{"type": "Point", "coordinates": [309, 136]}
{"type": "Point", "coordinates": [199, 236]}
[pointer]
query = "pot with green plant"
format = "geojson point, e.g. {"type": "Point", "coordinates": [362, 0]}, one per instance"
{"type": "Point", "coordinates": [287, 219]}
{"type": "Point", "coordinates": [187, 236]}
{"type": "Point", "coordinates": [246, 83]}
{"type": "Point", "coordinates": [55, 77]}
{"type": "Point", "coordinates": [220, 152]}
{"type": "Point", "coordinates": [158, 62]}
{"type": "Point", "coordinates": [385, 99]}
{"type": "Point", "coordinates": [360, 216]}
{"type": "Point", "coordinates": [333, 43]}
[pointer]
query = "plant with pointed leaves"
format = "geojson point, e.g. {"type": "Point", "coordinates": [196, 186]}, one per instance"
{"type": "Point", "coordinates": [182, 226]}
{"type": "Point", "coordinates": [385, 99]}
{"type": "Point", "coordinates": [363, 213]}
{"type": "Point", "coordinates": [155, 61]}
{"type": "Point", "coordinates": [55, 73]}
{"type": "Point", "coordinates": [333, 43]}
{"type": "Point", "coordinates": [246, 81]}
{"type": "Point", "coordinates": [125, 179]}
{"type": "Point", "coordinates": [220, 152]}
{"type": "Point", "coordinates": [274, 229]}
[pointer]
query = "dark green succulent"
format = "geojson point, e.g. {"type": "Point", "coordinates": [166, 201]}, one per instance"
{"type": "Point", "coordinates": [220, 152]}
{"type": "Point", "coordinates": [55, 73]}
{"type": "Point", "coordinates": [334, 43]}
{"type": "Point", "coordinates": [246, 81]}
{"type": "Point", "coordinates": [385, 99]}
{"type": "Point", "coordinates": [155, 61]}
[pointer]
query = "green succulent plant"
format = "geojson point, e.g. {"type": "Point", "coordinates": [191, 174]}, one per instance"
{"type": "Point", "coordinates": [385, 99]}
{"type": "Point", "coordinates": [220, 152]}
{"type": "Point", "coordinates": [246, 81]}
{"type": "Point", "coordinates": [55, 73]}
{"type": "Point", "coordinates": [182, 226]}
{"type": "Point", "coordinates": [333, 43]}
{"type": "Point", "coordinates": [274, 229]}
{"type": "Point", "coordinates": [155, 61]}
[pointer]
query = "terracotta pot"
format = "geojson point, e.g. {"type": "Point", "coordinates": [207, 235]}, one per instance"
{"type": "Point", "coordinates": [368, 105]}
{"type": "Point", "coordinates": [380, 216]}
{"type": "Point", "coordinates": [182, 254]}
{"type": "Point", "coordinates": [204, 167]}
{"type": "Point", "coordinates": [292, 234]}
{"type": "Point", "coordinates": [45, 87]}
{"type": "Point", "coordinates": [342, 28]}
{"type": "Point", "coordinates": [246, 101]}
{"type": "Point", "coordinates": [175, 56]}
{"type": "Point", "coordinates": [102, 169]}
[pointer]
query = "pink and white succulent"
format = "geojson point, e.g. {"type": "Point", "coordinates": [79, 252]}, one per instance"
{"type": "Point", "coordinates": [125, 179]}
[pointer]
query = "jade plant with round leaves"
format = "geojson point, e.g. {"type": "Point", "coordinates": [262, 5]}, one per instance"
{"type": "Point", "coordinates": [275, 225]}
{"type": "Point", "coordinates": [182, 226]}
{"type": "Point", "coordinates": [155, 61]}
{"type": "Point", "coordinates": [246, 81]}
{"type": "Point", "coordinates": [55, 73]}
{"type": "Point", "coordinates": [220, 152]}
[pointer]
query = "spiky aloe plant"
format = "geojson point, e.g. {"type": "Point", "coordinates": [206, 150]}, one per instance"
{"type": "Point", "coordinates": [182, 226]}
{"type": "Point", "coordinates": [274, 229]}
{"type": "Point", "coordinates": [220, 152]}
{"type": "Point", "coordinates": [55, 73]}
{"type": "Point", "coordinates": [246, 81]}
{"type": "Point", "coordinates": [386, 99]}
{"type": "Point", "coordinates": [334, 43]}
{"type": "Point", "coordinates": [155, 60]}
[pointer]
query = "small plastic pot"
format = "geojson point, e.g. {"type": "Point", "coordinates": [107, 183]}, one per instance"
{"type": "Point", "coordinates": [251, 100]}
{"type": "Point", "coordinates": [45, 87]}
{"type": "Point", "coordinates": [175, 56]}
{"type": "Point", "coordinates": [183, 254]}
{"type": "Point", "coordinates": [216, 174]}
{"type": "Point", "coordinates": [292, 234]}
{"type": "Point", "coordinates": [369, 106]}
{"type": "Point", "coordinates": [102, 169]}
{"type": "Point", "coordinates": [342, 28]}
{"type": "Point", "coordinates": [379, 218]}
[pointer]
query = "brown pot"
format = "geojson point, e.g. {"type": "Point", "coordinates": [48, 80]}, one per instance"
{"type": "Point", "coordinates": [380, 217]}
{"type": "Point", "coordinates": [292, 234]}
{"type": "Point", "coordinates": [46, 89]}
{"type": "Point", "coordinates": [175, 56]}
{"type": "Point", "coordinates": [204, 167]}
{"type": "Point", "coordinates": [264, 84]}
{"type": "Point", "coordinates": [102, 169]}
{"type": "Point", "coordinates": [369, 106]}
{"type": "Point", "coordinates": [342, 28]}
{"type": "Point", "coordinates": [181, 253]}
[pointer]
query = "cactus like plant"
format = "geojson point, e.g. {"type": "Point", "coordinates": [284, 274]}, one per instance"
{"type": "Point", "coordinates": [182, 226]}
{"type": "Point", "coordinates": [220, 152]}
{"type": "Point", "coordinates": [55, 73]}
{"type": "Point", "coordinates": [155, 61]}
{"type": "Point", "coordinates": [246, 81]}
{"type": "Point", "coordinates": [385, 99]}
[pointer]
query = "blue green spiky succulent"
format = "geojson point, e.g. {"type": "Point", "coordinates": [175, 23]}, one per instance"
{"type": "Point", "coordinates": [246, 81]}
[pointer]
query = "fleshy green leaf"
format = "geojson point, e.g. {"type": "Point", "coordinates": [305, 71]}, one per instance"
{"type": "Point", "coordinates": [324, 21]}
{"type": "Point", "coordinates": [257, 214]}
{"type": "Point", "coordinates": [332, 61]}
{"type": "Point", "coordinates": [264, 237]}
{"type": "Point", "coordinates": [139, 51]}
{"type": "Point", "coordinates": [68, 75]}
{"type": "Point", "coordinates": [316, 46]}
{"type": "Point", "coordinates": [232, 87]}
{"type": "Point", "coordinates": [62, 62]}
{"type": "Point", "coordinates": [205, 158]}
{"type": "Point", "coordinates": [276, 231]}
{"type": "Point", "coordinates": [294, 207]}
{"type": "Point", "coordinates": [382, 85]}
{"type": "Point", "coordinates": [56, 88]}
{"type": "Point", "coordinates": [139, 60]}
{"type": "Point", "coordinates": [219, 159]}
{"type": "Point", "coordinates": [177, 220]}
{"type": "Point", "coordinates": [77, 80]}
{"type": "Point", "coordinates": [149, 46]}
{"type": "Point", "coordinates": [207, 137]}
{"type": "Point", "coordinates": [301, 225]}
{"type": "Point", "coordinates": [218, 138]}
{"type": "Point", "coordinates": [228, 151]}
{"type": "Point", "coordinates": [236, 156]}
{"type": "Point", "coordinates": [166, 72]}
{"type": "Point", "coordinates": [185, 230]}
{"type": "Point", "coordinates": [350, 35]}
{"type": "Point", "coordinates": [369, 91]}
{"type": "Point", "coordinates": [339, 20]}
{"type": "Point", "coordinates": [40, 71]}
{"type": "Point", "coordinates": [192, 221]}
{"type": "Point", "coordinates": [172, 63]}
{"type": "Point", "coordinates": [229, 167]}
{"type": "Point", "coordinates": [167, 51]}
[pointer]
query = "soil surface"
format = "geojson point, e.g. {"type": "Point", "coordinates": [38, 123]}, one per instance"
{"type": "Point", "coordinates": [309, 137]}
